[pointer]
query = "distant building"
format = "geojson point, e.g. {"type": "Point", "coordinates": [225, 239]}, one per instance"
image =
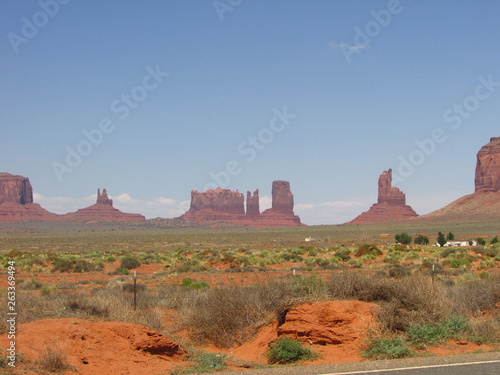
{"type": "Point", "coordinates": [460, 243]}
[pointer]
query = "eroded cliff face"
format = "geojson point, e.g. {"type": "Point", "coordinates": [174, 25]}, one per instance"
{"type": "Point", "coordinates": [391, 204]}
{"type": "Point", "coordinates": [488, 167]}
{"type": "Point", "coordinates": [15, 189]}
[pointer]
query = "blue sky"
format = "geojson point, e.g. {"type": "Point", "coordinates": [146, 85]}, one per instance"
{"type": "Point", "coordinates": [324, 94]}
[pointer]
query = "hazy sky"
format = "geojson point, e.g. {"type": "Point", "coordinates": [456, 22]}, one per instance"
{"type": "Point", "coordinates": [151, 99]}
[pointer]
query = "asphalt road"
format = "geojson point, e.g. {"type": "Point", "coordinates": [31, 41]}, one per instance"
{"type": "Point", "coordinates": [465, 364]}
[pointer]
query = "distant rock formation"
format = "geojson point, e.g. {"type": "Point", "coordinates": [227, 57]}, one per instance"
{"type": "Point", "coordinates": [281, 213]}
{"type": "Point", "coordinates": [253, 207]}
{"type": "Point", "coordinates": [226, 205]}
{"type": "Point", "coordinates": [488, 167]}
{"type": "Point", "coordinates": [391, 204]}
{"type": "Point", "coordinates": [16, 200]}
{"type": "Point", "coordinates": [215, 205]}
{"type": "Point", "coordinates": [103, 198]}
{"type": "Point", "coordinates": [484, 203]}
{"type": "Point", "coordinates": [102, 210]}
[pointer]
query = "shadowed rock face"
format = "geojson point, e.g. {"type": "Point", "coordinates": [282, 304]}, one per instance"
{"type": "Point", "coordinates": [391, 204]}
{"type": "Point", "coordinates": [15, 189]}
{"type": "Point", "coordinates": [488, 167]}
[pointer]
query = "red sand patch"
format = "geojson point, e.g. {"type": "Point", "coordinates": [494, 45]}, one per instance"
{"type": "Point", "coordinates": [100, 347]}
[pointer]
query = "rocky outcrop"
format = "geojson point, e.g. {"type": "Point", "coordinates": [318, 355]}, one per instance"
{"type": "Point", "coordinates": [388, 193]}
{"type": "Point", "coordinates": [215, 205]}
{"type": "Point", "coordinates": [282, 197]}
{"type": "Point", "coordinates": [16, 200]}
{"type": "Point", "coordinates": [484, 203]}
{"type": "Point", "coordinates": [281, 213]}
{"type": "Point", "coordinates": [103, 198]}
{"type": "Point", "coordinates": [488, 167]}
{"type": "Point", "coordinates": [15, 189]}
{"type": "Point", "coordinates": [226, 205]}
{"type": "Point", "coordinates": [391, 204]}
{"type": "Point", "coordinates": [253, 207]}
{"type": "Point", "coordinates": [102, 210]}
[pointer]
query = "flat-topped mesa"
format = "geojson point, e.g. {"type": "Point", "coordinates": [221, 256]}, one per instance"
{"type": "Point", "coordinates": [218, 200]}
{"type": "Point", "coordinates": [103, 198]}
{"type": "Point", "coordinates": [391, 204]}
{"type": "Point", "coordinates": [253, 208]}
{"type": "Point", "coordinates": [16, 200]}
{"type": "Point", "coordinates": [387, 192]}
{"type": "Point", "coordinates": [488, 167]}
{"type": "Point", "coordinates": [15, 189]}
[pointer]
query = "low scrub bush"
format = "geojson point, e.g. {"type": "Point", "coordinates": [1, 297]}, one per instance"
{"type": "Point", "coordinates": [285, 350]}
{"type": "Point", "coordinates": [367, 250]}
{"type": "Point", "coordinates": [129, 262]}
{"type": "Point", "coordinates": [54, 359]}
{"type": "Point", "coordinates": [226, 316]}
{"type": "Point", "coordinates": [387, 348]}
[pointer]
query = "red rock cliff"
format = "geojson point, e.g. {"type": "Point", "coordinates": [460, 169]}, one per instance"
{"type": "Point", "coordinates": [488, 167]}
{"type": "Point", "coordinates": [15, 189]}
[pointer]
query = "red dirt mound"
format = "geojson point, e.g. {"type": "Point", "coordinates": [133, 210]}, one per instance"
{"type": "Point", "coordinates": [335, 329]}
{"type": "Point", "coordinates": [99, 347]}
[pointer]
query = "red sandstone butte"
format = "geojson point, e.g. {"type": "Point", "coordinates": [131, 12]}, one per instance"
{"type": "Point", "coordinates": [16, 200]}
{"type": "Point", "coordinates": [215, 205]}
{"type": "Point", "coordinates": [484, 203]}
{"type": "Point", "coordinates": [391, 205]}
{"type": "Point", "coordinates": [226, 205]}
{"type": "Point", "coordinates": [281, 213]}
{"type": "Point", "coordinates": [102, 210]}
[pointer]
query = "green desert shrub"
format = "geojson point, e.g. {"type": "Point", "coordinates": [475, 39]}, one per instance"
{"type": "Point", "coordinates": [387, 348]}
{"type": "Point", "coordinates": [129, 262]}
{"type": "Point", "coordinates": [286, 350]}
